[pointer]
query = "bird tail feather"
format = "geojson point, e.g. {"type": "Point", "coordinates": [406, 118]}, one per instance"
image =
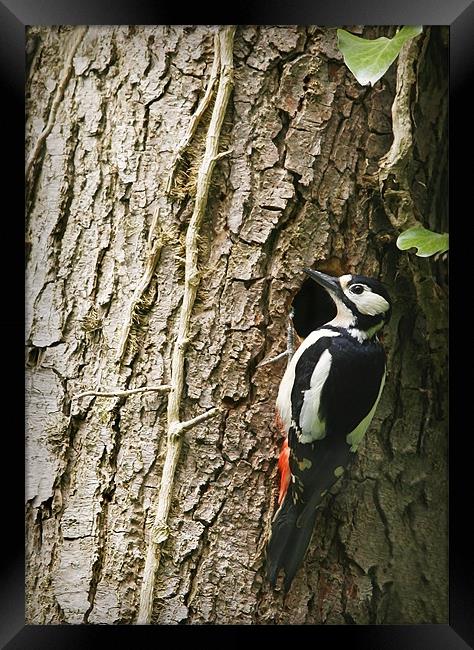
{"type": "Point", "coordinates": [291, 535]}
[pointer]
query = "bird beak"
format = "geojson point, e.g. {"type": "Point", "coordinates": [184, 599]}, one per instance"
{"type": "Point", "coordinates": [327, 281]}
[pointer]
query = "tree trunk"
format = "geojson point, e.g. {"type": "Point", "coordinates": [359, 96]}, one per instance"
{"type": "Point", "coordinates": [315, 178]}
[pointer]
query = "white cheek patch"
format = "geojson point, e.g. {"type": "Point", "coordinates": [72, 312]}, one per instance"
{"type": "Point", "coordinates": [368, 303]}
{"type": "Point", "coordinates": [371, 303]}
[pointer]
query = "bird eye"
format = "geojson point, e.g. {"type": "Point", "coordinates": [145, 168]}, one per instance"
{"type": "Point", "coordinates": [357, 288]}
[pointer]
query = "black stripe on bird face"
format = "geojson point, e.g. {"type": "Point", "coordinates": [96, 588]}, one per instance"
{"type": "Point", "coordinates": [366, 301]}
{"type": "Point", "coordinates": [361, 302]}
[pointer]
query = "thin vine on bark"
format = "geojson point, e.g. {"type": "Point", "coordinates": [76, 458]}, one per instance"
{"type": "Point", "coordinates": [223, 59]}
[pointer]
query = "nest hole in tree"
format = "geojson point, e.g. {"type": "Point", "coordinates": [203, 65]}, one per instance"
{"type": "Point", "coordinates": [312, 307]}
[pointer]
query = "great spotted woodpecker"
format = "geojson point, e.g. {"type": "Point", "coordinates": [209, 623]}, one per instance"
{"type": "Point", "coordinates": [326, 401]}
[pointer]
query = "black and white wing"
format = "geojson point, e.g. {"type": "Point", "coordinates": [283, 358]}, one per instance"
{"type": "Point", "coordinates": [335, 386]}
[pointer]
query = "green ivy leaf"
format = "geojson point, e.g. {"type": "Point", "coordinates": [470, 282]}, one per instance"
{"type": "Point", "coordinates": [427, 242]}
{"type": "Point", "coordinates": [367, 59]}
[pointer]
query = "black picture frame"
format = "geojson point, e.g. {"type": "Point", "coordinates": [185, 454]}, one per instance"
{"type": "Point", "coordinates": [14, 16]}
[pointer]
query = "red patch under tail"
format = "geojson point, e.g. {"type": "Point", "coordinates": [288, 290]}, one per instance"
{"type": "Point", "coordinates": [284, 460]}
{"type": "Point", "coordinates": [284, 467]}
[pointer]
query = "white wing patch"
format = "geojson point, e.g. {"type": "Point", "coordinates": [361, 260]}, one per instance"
{"type": "Point", "coordinates": [355, 437]}
{"type": "Point", "coordinates": [283, 402]}
{"type": "Point", "coordinates": [312, 427]}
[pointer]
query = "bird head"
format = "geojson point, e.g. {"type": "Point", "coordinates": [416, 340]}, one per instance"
{"type": "Point", "coordinates": [362, 303]}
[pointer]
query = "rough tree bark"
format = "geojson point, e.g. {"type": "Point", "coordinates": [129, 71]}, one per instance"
{"type": "Point", "coordinates": [315, 178]}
